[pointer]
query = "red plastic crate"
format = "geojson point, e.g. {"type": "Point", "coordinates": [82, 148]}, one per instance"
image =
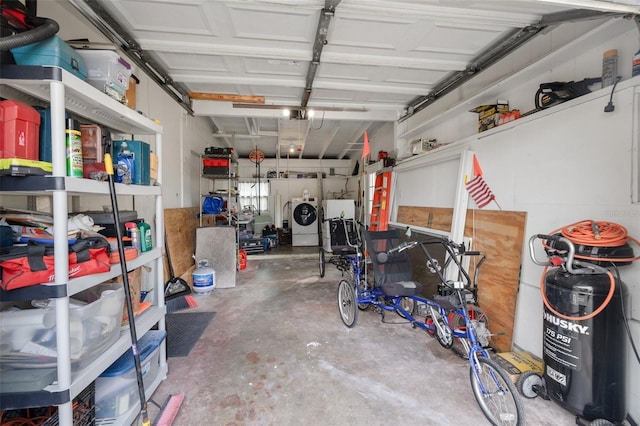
{"type": "Point", "coordinates": [215, 162]}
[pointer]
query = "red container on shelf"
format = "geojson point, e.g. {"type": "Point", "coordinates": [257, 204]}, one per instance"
{"type": "Point", "coordinates": [19, 130]}
{"type": "Point", "coordinates": [215, 162]}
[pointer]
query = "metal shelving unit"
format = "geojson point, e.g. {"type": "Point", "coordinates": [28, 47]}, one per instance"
{"type": "Point", "coordinates": [227, 191]}
{"type": "Point", "coordinates": [63, 91]}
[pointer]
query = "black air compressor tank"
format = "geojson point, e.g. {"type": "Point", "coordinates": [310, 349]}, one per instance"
{"type": "Point", "coordinates": [585, 359]}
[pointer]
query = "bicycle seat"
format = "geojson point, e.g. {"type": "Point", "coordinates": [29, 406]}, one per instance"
{"type": "Point", "coordinates": [343, 236]}
{"type": "Point", "coordinates": [393, 275]}
{"type": "Point", "coordinates": [402, 288]}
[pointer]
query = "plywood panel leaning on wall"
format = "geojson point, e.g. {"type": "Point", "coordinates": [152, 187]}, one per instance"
{"type": "Point", "coordinates": [180, 227]}
{"type": "Point", "coordinates": [498, 234]}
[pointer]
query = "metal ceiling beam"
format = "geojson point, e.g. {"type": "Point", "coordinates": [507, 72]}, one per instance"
{"type": "Point", "coordinates": [497, 51]}
{"type": "Point", "coordinates": [321, 39]}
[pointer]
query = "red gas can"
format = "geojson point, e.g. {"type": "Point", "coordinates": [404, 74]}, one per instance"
{"type": "Point", "coordinates": [19, 130]}
{"type": "Point", "coordinates": [242, 259]}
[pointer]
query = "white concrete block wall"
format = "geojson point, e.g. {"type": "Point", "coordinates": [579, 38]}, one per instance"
{"type": "Point", "coordinates": [560, 166]}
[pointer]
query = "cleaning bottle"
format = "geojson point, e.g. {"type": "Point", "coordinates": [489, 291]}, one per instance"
{"type": "Point", "coordinates": [125, 165]}
{"type": "Point", "coordinates": [146, 242]}
{"type": "Point", "coordinates": [74, 148]}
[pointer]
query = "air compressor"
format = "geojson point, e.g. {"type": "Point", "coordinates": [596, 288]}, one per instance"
{"type": "Point", "coordinates": [584, 345]}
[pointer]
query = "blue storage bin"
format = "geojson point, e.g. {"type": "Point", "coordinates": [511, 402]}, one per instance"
{"type": "Point", "coordinates": [51, 51]}
{"type": "Point", "coordinates": [146, 345]}
{"type": "Point", "coordinates": [117, 386]}
{"type": "Point", "coordinates": [45, 152]}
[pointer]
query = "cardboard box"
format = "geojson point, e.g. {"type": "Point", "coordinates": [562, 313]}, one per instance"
{"type": "Point", "coordinates": [153, 163]}
{"type": "Point", "coordinates": [516, 363]}
{"type": "Point", "coordinates": [130, 94]}
{"type": "Point", "coordinates": [135, 288]}
{"type": "Point", "coordinates": [489, 115]}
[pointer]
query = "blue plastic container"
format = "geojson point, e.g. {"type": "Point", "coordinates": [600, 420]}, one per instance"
{"type": "Point", "coordinates": [45, 150]}
{"type": "Point", "coordinates": [117, 386]}
{"type": "Point", "coordinates": [51, 51]}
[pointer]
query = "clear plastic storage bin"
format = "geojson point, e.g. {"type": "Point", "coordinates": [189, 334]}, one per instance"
{"type": "Point", "coordinates": [28, 336]}
{"type": "Point", "coordinates": [107, 71]}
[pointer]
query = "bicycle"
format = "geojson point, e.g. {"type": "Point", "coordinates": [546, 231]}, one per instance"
{"type": "Point", "coordinates": [447, 317]}
{"type": "Point", "coordinates": [340, 231]}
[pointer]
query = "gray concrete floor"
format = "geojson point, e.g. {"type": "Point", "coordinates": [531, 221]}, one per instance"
{"type": "Point", "coordinates": [277, 353]}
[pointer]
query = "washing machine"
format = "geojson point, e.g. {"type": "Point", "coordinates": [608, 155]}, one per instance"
{"type": "Point", "coordinates": [304, 222]}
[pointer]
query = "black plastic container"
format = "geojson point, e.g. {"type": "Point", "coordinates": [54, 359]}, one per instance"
{"type": "Point", "coordinates": [585, 364]}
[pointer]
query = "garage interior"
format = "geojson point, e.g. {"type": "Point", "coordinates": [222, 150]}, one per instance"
{"type": "Point", "coordinates": [298, 104]}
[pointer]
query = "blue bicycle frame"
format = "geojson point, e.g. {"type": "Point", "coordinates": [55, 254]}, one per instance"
{"type": "Point", "coordinates": [448, 316]}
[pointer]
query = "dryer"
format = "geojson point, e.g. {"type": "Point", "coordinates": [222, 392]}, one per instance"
{"type": "Point", "coordinates": [304, 222]}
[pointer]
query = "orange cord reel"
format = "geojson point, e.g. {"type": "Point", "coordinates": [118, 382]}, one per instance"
{"type": "Point", "coordinates": [598, 243]}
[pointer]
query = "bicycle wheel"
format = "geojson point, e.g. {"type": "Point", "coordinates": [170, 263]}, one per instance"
{"type": "Point", "coordinates": [322, 263]}
{"type": "Point", "coordinates": [347, 302]}
{"type": "Point", "coordinates": [495, 393]}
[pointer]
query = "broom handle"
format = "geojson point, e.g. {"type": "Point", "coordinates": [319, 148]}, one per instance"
{"type": "Point", "coordinates": [166, 249]}
{"type": "Point", "coordinates": [108, 162]}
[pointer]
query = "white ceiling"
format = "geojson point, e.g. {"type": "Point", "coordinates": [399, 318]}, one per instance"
{"type": "Point", "coordinates": [379, 56]}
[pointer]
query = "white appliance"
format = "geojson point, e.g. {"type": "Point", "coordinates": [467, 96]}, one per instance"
{"type": "Point", "coordinates": [304, 222]}
{"type": "Point", "coordinates": [332, 209]}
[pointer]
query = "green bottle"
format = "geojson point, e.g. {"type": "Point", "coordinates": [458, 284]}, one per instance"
{"type": "Point", "coordinates": [146, 241]}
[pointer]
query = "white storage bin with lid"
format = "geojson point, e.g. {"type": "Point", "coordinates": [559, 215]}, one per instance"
{"type": "Point", "coordinates": [117, 386]}
{"type": "Point", "coordinates": [28, 336]}
{"type": "Point", "coordinates": [107, 71]}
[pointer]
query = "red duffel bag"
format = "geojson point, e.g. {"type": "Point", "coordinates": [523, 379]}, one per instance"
{"type": "Point", "coordinates": [33, 264]}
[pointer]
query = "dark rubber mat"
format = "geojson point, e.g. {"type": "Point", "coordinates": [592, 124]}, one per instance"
{"type": "Point", "coordinates": [184, 330]}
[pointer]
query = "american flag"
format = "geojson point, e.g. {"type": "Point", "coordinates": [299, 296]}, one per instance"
{"type": "Point", "coordinates": [480, 191]}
